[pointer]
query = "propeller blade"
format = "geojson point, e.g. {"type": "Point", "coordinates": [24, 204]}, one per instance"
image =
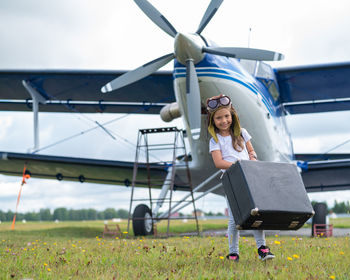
{"type": "Point", "coordinates": [137, 74]}
{"type": "Point", "coordinates": [193, 99]}
{"type": "Point", "coordinates": [156, 17]}
{"type": "Point", "coordinates": [245, 53]}
{"type": "Point", "coordinates": [209, 13]}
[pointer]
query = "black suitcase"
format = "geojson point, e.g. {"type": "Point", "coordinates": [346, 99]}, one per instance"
{"type": "Point", "coordinates": [266, 195]}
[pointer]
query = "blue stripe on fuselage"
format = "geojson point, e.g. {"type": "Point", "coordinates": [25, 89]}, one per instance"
{"type": "Point", "coordinates": [229, 69]}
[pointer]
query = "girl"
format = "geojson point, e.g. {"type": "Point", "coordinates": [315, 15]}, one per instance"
{"type": "Point", "coordinates": [228, 144]}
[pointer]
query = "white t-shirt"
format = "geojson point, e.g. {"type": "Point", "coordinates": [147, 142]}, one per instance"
{"type": "Point", "coordinates": [225, 145]}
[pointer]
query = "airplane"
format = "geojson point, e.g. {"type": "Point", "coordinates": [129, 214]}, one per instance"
{"type": "Point", "coordinates": [262, 96]}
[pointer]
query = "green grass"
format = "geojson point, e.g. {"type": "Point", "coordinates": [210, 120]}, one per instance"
{"type": "Point", "coordinates": [72, 251]}
{"type": "Point", "coordinates": [340, 222]}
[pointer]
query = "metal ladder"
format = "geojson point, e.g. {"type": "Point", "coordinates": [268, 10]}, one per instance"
{"type": "Point", "coordinates": [144, 142]}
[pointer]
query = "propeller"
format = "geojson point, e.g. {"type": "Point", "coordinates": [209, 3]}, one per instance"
{"type": "Point", "coordinates": [189, 50]}
{"type": "Point", "coordinates": [209, 13]}
{"type": "Point", "coordinates": [137, 74]}
{"type": "Point", "coordinates": [245, 53]}
{"type": "Point", "coordinates": [193, 99]}
{"type": "Point", "coordinates": [156, 17]}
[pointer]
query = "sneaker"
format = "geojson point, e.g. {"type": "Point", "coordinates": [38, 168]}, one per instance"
{"type": "Point", "coordinates": [233, 256]}
{"type": "Point", "coordinates": [264, 253]}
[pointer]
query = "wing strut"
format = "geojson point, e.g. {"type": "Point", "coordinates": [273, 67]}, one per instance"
{"type": "Point", "coordinates": [37, 98]}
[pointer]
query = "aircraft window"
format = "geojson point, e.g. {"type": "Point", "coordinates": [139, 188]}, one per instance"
{"type": "Point", "coordinates": [265, 71]}
{"type": "Point", "coordinates": [249, 65]}
{"type": "Point", "coordinates": [273, 90]}
{"type": "Point", "coordinates": [266, 75]}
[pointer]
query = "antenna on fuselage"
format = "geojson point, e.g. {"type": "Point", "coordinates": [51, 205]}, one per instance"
{"type": "Point", "coordinates": [249, 33]}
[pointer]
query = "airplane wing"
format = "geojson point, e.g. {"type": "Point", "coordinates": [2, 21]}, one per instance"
{"type": "Point", "coordinates": [326, 175]}
{"type": "Point", "coordinates": [84, 170]}
{"type": "Point", "coordinates": [314, 89]}
{"type": "Point", "coordinates": [80, 91]}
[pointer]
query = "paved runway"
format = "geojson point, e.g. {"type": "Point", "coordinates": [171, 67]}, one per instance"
{"type": "Point", "coordinates": [301, 232]}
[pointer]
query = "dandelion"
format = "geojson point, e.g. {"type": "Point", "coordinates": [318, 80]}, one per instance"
{"type": "Point", "coordinates": [117, 238]}
{"type": "Point", "coordinates": [73, 245]}
{"type": "Point", "coordinates": [221, 257]}
{"type": "Point", "coordinates": [277, 242]}
{"type": "Point", "coordinates": [276, 235]}
{"type": "Point", "coordinates": [296, 256]}
{"type": "Point", "coordinates": [48, 269]}
{"type": "Point", "coordinates": [332, 277]}
{"type": "Point", "coordinates": [341, 253]}
{"type": "Point", "coordinates": [125, 232]}
{"type": "Point", "coordinates": [44, 243]}
{"type": "Point", "coordinates": [83, 251]}
{"type": "Point", "coordinates": [289, 258]}
{"type": "Point", "coordinates": [243, 237]}
{"type": "Point", "coordinates": [45, 264]}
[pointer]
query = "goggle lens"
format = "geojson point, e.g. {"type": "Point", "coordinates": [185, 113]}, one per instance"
{"type": "Point", "coordinates": [215, 103]}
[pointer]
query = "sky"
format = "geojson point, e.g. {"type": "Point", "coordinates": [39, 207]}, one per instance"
{"type": "Point", "coordinates": [111, 34]}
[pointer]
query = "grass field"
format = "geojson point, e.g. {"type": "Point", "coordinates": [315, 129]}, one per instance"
{"type": "Point", "coordinates": [75, 250]}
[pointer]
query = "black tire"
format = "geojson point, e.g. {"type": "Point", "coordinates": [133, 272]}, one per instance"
{"type": "Point", "coordinates": [320, 215]}
{"type": "Point", "coordinates": [142, 222]}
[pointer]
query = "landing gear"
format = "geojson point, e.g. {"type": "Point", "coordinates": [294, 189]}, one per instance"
{"type": "Point", "coordinates": [142, 222]}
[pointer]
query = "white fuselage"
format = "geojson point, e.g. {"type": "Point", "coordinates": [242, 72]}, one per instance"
{"type": "Point", "coordinates": [270, 137]}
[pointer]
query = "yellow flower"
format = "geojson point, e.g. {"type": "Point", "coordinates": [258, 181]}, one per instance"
{"type": "Point", "coordinates": [83, 251]}
{"type": "Point", "coordinates": [342, 253]}
{"type": "Point", "coordinates": [295, 256]}
{"type": "Point", "coordinates": [49, 269]}
{"type": "Point", "coordinates": [243, 237]}
{"type": "Point", "coordinates": [289, 258]}
{"type": "Point", "coordinates": [332, 277]}
{"type": "Point", "coordinates": [276, 235]}
{"type": "Point", "coordinates": [277, 242]}
{"type": "Point", "coordinates": [73, 245]}
{"type": "Point", "coordinates": [117, 237]}
{"type": "Point", "coordinates": [221, 257]}
{"type": "Point", "coordinates": [45, 264]}
{"type": "Point", "coordinates": [44, 243]}
{"type": "Point", "coordinates": [125, 232]}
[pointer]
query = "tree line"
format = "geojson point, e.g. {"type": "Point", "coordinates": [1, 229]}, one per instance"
{"type": "Point", "coordinates": [338, 208]}
{"type": "Point", "coordinates": [64, 214]}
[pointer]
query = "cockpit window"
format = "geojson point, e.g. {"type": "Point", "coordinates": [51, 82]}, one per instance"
{"type": "Point", "coordinates": [266, 75]}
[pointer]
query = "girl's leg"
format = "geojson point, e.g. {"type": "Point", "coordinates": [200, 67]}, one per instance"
{"type": "Point", "coordinates": [259, 236]}
{"type": "Point", "coordinates": [232, 232]}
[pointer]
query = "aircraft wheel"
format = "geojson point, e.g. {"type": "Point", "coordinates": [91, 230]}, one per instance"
{"type": "Point", "coordinates": [142, 222]}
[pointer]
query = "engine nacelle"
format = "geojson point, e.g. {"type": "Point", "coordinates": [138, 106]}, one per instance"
{"type": "Point", "coordinates": [170, 112]}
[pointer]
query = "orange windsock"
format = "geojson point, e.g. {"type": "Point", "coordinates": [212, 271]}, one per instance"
{"type": "Point", "coordinates": [24, 178]}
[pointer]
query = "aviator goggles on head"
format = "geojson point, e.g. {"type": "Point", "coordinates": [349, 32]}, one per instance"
{"type": "Point", "coordinates": [213, 104]}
